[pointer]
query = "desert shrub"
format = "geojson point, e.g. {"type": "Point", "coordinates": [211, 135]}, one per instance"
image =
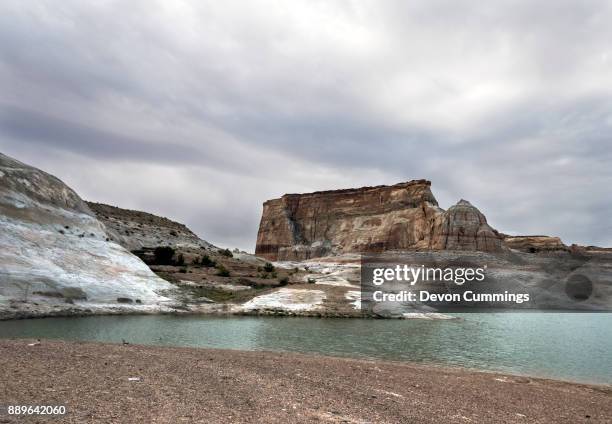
{"type": "Point", "coordinates": [311, 281]}
{"type": "Point", "coordinates": [164, 255]}
{"type": "Point", "coordinates": [268, 267]}
{"type": "Point", "coordinates": [207, 262]}
{"type": "Point", "coordinates": [227, 252]}
{"type": "Point", "coordinates": [124, 300]}
{"type": "Point", "coordinates": [283, 281]}
{"type": "Point", "coordinates": [222, 271]}
{"type": "Point", "coordinates": [183, 270]}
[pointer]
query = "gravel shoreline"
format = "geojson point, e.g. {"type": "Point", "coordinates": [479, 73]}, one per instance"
{"type": "Point", "coordinates": [223, 386]}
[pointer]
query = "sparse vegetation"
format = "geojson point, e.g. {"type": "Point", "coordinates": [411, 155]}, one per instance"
{"type": "Point", "coordinates": [226, 252]}
{"type": "Point", "coordinates": [268, 267]}
{"type": "Point", "coordinates": [207, 262]}
{"type": "Point", "coordinates": [222, 271]}
{"type": "Point", "coordinates": [283, 281]}
{"type": "Point", "coordinates": [163, 255]}
{"type": "Point", "coordinates": [311, 281]}
{"type": "Point", "coordinates": [124, 300]}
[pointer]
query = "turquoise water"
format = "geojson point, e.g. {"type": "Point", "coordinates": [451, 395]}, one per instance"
{"type": "Point", "coordinates": [576, 347]}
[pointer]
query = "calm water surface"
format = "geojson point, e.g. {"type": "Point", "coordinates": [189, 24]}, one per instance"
{"type": "Point", "coordinates": [567, 346]}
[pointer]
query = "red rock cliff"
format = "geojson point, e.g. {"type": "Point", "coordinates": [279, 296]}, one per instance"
{"type": "Point", "coordinates": [369, 219]}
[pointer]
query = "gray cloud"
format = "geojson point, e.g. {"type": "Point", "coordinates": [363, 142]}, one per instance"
{"type": "Point", "coordinates": [200, 111]}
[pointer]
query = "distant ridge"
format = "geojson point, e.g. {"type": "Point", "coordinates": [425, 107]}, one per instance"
{"type": "Point", "coordinates": [136, 229]}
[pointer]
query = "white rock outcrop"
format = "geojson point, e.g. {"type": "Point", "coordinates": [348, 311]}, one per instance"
{"type": "Point", "coordinates": [286, 299]}
{"type": "Point", "coordinates": [55, 255]}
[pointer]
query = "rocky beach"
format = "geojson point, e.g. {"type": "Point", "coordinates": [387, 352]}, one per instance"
{"type": "Point", "coordinates": [128, 383]}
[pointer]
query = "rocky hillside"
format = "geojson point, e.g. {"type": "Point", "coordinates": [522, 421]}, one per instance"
{"type": "Point", "coordinates": [370, 219]}
{"type": "Point", "coordinates": [55, 256]}
{"type": "Point", "coordinates": [136, 230]}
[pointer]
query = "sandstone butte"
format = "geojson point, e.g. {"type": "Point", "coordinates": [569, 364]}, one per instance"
{"type": "Point", "coordinates": [404, 216]}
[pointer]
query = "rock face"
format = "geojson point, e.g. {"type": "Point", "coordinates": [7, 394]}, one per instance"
{"type": "Point", "coordinates": [370, 219]}
{"type": "Point", "coordinates": [463, 227]}
{"type": "Point", "coordinates": [54, 253]}
{"type": "Point", "coordinates": [136, 230]}
{"type": "Point", "coordinates": [535, 244]}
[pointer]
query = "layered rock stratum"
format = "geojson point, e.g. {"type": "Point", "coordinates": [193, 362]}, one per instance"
{"type": "Point", "coordinates": [403, 216]}
{"type": "Point", "coordinates": [56, 256]}
{"type": "Point", "coordinates": [535, 244]}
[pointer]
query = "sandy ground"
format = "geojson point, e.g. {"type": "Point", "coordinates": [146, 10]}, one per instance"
{"type": "Point", "coordinates": [219, 386]}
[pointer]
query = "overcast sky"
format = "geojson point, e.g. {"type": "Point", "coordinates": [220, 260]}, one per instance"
{"type": "Point", "coordinates": [200, 111]}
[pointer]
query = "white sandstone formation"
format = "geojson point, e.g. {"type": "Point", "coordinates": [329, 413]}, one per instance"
{"type": "Point", "coordinates": [55, 257]}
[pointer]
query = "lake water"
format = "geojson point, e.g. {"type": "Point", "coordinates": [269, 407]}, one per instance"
{"type": "Point", "coordinates": [568, 346]}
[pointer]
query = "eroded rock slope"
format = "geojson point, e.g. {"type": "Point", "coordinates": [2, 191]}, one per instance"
{"type": "Point", "coordinates": [136, 230]}
{"type": "Point", "coordinates": [56, 256]}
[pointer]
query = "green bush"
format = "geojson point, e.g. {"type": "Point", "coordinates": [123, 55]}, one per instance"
{"type": "Point", "coordinates": [163, 255]}
{"type": "Point", "coordinates": [207, 262]}
{"type": "Point", "coordinates": [311, 281]}
{"type": "Point", "coordinates": [227, 252]}
{"type": "Point", "coordinates": [222, 271]}
{"type": "Point", "coordinates": [283, 281]}
{"type": "Point", "coordinates": [268, 267]}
